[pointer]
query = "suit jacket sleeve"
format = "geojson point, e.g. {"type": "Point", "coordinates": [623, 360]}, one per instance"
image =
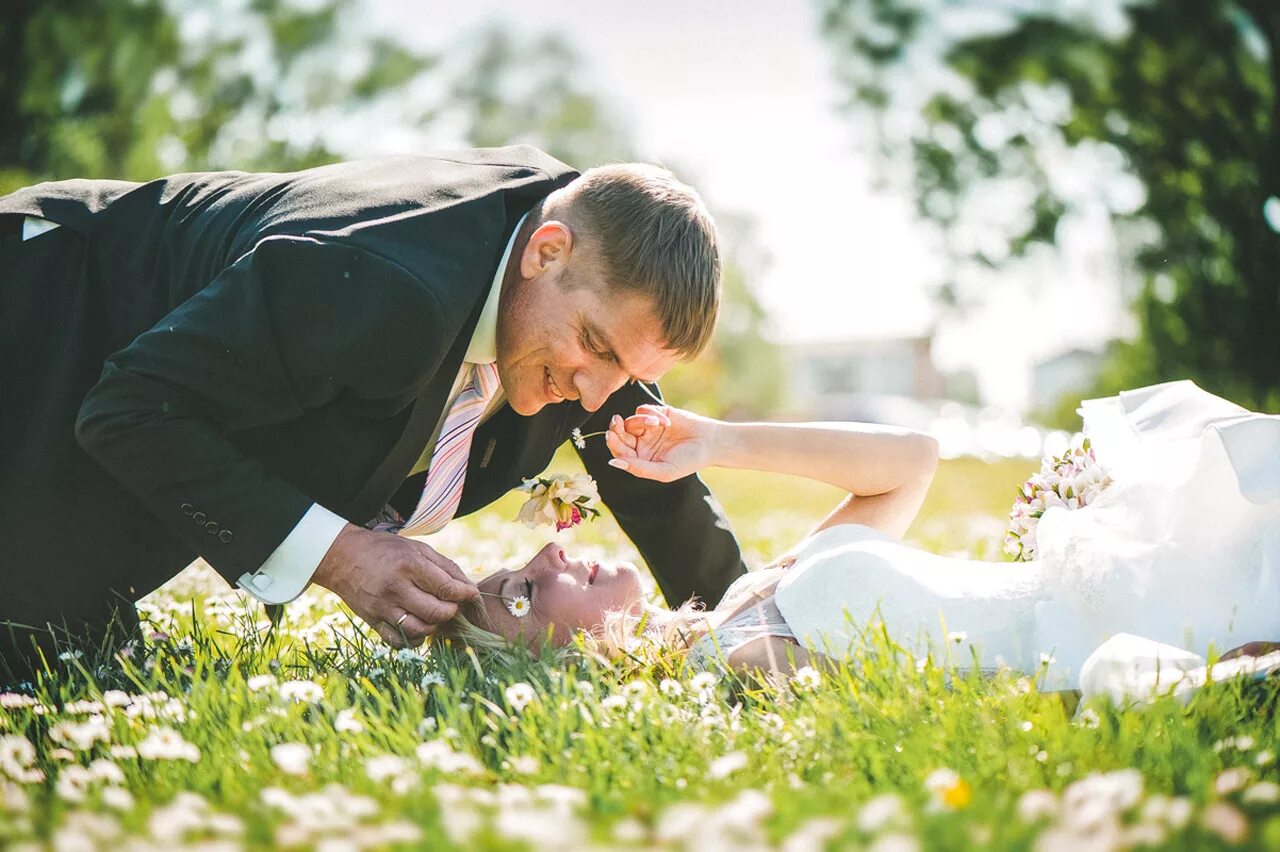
{"type": "Point", "coordinates": [288, 327]}
{"type": "Point", "coordinates": [678, 527]}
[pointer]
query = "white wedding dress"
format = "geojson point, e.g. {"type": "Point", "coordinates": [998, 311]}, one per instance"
{"type": "Point", "coordinates": [1182, 550]}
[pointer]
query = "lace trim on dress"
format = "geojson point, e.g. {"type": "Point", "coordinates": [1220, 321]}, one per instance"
{"type": "Point", "coordinates": [712, 649]}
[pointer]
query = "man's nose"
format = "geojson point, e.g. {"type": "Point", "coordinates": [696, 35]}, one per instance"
{"type": "Point", "coordinates": [595, 386]}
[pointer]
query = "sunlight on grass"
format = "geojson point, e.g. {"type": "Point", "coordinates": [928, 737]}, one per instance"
{"type": "Point", "coordinates": [220, 734]}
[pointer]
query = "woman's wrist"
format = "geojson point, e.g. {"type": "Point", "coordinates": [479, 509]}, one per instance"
{"type": "Point", "coordinates": [722, 442]}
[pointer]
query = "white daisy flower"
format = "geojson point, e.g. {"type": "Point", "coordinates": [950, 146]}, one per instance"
{"type": "Point", "coordinates": [519, 606]}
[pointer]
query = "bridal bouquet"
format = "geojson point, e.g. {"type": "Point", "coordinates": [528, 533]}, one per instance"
{"type": "Point", "coordinates": [559, 499]}
{"type": "Point", "coordinates": [1072, 480]}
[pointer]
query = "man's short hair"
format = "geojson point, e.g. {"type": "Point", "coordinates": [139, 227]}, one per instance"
{"type": "Point", "coordinates": [654, 235]}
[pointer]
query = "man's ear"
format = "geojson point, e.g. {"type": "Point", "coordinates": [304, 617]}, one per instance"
{"type": "Point", "coordinates": [548, 248]}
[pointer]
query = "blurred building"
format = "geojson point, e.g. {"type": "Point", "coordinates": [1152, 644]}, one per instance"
{"type": "Point", "coordinates": [826, 379]}
{"type": "Point", "coordinates": [1069, 372]}
{"type": "Point", "coordinates": [894, 381]}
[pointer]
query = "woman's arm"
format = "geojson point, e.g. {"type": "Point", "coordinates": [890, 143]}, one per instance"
{"type": "Point", "coordinates": [886, 470]}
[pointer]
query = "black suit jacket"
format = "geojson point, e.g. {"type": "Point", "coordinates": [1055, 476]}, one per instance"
{"type": "Point", "coordinates": [274, 340]}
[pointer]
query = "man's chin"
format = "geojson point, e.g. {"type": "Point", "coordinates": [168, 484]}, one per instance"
{"type": "Point", "coordinates": [526, 407]}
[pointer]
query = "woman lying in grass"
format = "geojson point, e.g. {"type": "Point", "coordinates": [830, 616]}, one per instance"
{"type": "Point", "coordinates": [1196, 496]}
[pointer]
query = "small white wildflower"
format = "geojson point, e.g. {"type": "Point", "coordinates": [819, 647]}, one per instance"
{"type": "Point", "coordinates": [291, 758]}
{"type": "Point", "coordinates": [348, 722]}
{"type": "Point", "coordinates": [703, 681]}
{"type": "Point", "coordinates": [167, 744]}
{"type": "Point", "coordinates": [1047, 659]}
{"type": "Point", "coordinates": [723, 767]}
{"type": "Point", "coordinates": [257, 683]}
{"type": "Point", "coordinates": [671, 688]}
{"type": "Point", "coordinates": [880, 812]}
{"type": "Point", "coordinates": [101, 769]}
{"type": "Point", "coordinates": [524, 765]}
{"type": "Point", "coordinates": [430, 679]}
{"type": "Point", "coordinates": [116, 698]}
{"type": "Point", "coordinates": [807, 677]}
{"type": "Point", "coordinates": [117, 798]}
{"type": "Point", "coordinates": [578, 441]}
{"type": "Point", "coordinates": [383, 767]}
{"type": "Point", "coordinates": [957, 636]}
{"type": "Point", "coordinates": [1088, 718]}
{"type": "Point", "coordinates": [1262, 793]}
{"type": "Point", "coordinates": [73, 783]}
{"type": "Point", "coordinates": [1226, 821]}
{"type": "Point", "coordinates": [302, 691]}
{"type": "Point", "coordinates": [614, 702]}
{"type": "Point", "coordinates": [1265, 757]}
{"type": "Point", "coordinates": [520, 695]}
{"type": "Point", "coordinates": [1035, 805]}
{"type": "Point", "coordinates": [1241, 743]}
{"type": "Point", "coordinates": [410, 656]}
{"type": "Point", "coordinates": [1230, 781]}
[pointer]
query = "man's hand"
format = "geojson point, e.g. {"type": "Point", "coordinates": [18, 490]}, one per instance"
{"type": "Point", "coordinates": [662, 443]}
{"type": "Point", "coordinates": [401, 587]}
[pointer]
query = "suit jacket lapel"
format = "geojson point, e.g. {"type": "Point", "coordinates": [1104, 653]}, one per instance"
{"type": "Point", "coordinates": [422, 419]}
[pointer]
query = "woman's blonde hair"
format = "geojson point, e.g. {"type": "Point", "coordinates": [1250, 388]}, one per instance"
{"type": "Point", "coordinates": [646, 635]}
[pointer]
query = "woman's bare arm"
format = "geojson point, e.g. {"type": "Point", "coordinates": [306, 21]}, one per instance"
{"type": "Point", "coordinates": [886, 470]}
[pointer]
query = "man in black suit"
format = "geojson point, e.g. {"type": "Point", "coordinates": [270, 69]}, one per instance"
{"type": "Point", "coordinates": [254, 368]}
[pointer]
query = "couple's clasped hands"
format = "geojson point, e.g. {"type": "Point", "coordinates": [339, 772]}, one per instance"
{"type": "Point", "coordinates": [405, 588]}
{"type": "Point", "coordinates": [661, 443]}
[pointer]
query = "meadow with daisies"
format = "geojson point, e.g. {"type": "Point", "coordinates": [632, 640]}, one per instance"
{"type": "Point", "coordinates": [220, 731]}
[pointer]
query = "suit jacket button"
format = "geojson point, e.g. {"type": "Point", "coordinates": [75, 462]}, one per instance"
{"type": "Point", "coordinates": [225, 536]}
{"type": "Point", "coordinates": [187, 509]}
{"type": "Point", "coordinates": [211, 528]}
{"type": "Point", "coordinates": [200, 518]}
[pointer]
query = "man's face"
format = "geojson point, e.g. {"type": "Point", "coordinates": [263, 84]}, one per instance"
{"type": "Point", "coordinates": [563, 335]}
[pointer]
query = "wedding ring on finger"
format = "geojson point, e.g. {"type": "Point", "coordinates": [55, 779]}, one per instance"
{"type": "Point", "coordinates": [401, 619]}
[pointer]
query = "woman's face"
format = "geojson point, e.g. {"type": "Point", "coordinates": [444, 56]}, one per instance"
{"type": "Point", "coordinates": [565, 596]}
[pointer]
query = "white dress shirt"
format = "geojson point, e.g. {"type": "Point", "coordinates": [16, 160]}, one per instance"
{"type": "Point", "coordinates": [288, 570]}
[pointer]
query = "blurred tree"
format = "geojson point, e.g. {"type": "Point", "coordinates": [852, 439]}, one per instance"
{"type": "Point", "coordinates": [741, 375]}
{"type": "Point", "coordinates": [134, 90]}
{"type": "Point", "coordinates": [1019, 115]}
{"type": "Point", "coordinates": [96, 88]}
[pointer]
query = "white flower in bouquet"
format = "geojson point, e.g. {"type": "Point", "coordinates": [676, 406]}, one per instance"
{"type": "Point", "coordinates": [561, 500]}
{"type": "Point", "coordinates": [1070, 481]}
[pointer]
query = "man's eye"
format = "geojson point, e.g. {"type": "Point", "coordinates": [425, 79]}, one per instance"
{"type": "Point", "coordinates": [528, 590]}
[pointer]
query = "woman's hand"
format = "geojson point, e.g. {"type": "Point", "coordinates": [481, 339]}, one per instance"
{"type": "Point", "coordinates": [660, 442]}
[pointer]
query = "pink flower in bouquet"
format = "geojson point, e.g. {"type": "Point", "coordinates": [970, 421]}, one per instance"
{"type": "Point", "coordinates": [1070, 481]}
{"type": "Point", "coordinates": [559, 500]}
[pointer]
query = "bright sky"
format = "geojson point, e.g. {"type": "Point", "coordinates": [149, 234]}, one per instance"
{"type": "Point", "coordinates": [742, 98]}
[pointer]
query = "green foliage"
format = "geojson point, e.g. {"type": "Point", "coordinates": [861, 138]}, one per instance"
{"type": "Point", "coordinates": [1183, 95]}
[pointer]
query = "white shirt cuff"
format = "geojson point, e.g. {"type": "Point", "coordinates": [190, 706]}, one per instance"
{"type": "Point", "coordinates": [288, 571]}
{"type": "Point", "coordinates": [33, 227]}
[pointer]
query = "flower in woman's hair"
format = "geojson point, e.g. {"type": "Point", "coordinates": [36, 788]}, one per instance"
{"type": "Point", "coordinates": [519, 606]}
{"type": "Point", "coordinates": [559, 500]}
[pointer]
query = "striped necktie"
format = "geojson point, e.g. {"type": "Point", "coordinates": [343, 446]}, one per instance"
{"type": "Point", "coordinates": [448, 470]}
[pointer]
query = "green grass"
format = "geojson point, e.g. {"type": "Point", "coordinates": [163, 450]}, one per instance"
{"type": "Point", "coordinates": [438, 751]}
